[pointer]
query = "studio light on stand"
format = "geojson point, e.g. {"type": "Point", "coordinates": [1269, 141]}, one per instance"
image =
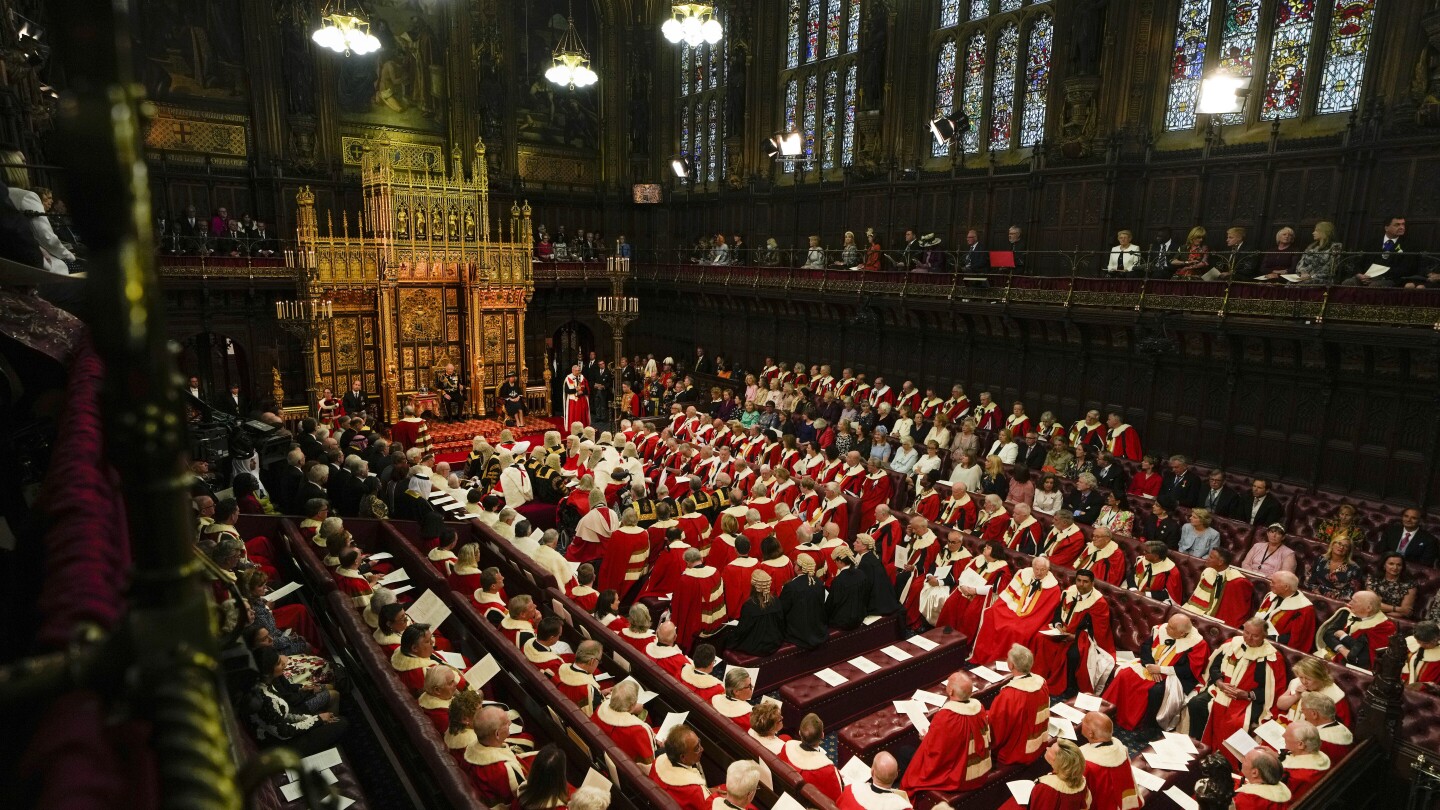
{"type": "Point", "coordinates": [692, 23]}
{"type": "Point", "coordinates": [1223, 94]}
{"type": "Point", "coordinates": [949, 128]}
{"type": "Point", "coordinates": [681, 166]}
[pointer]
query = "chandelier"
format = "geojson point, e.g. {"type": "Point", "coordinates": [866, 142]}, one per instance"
{"type": "Point", "coordinates": [571, 62]}
{"type": "Point", "coordinates": [693, 24]}
{"type": "Point", "coordinates": [344, 32]}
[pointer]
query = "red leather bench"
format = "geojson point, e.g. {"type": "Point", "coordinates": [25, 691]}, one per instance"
{"type": "Point", "coordinates": [791, 662]}
{"type": "Point", "coordinates": [861, 693]}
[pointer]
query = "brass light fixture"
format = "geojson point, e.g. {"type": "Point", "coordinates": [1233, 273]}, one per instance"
{"type": "Point", "coordinates": [693, 24]}
{"type": "Point", "coordinates": [571, 62]}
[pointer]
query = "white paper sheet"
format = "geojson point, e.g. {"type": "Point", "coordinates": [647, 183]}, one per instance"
{"type": "Point", "coordinates": [830, 676]}
{"type": "Point", "coordinates": [1147, 780]}
{"type": "Point", "coordinates": [897, 653]}
{"type": "Point", "coordinates": [941, 572]}
{"type": "Point", "coordinates": [1050, 631]}
{"type": "Point", "coordinates": [1180, 797]}
{"type": "Point", "coordinates": [1183, 741]}
{"type": "Point", "coordinates": [907, 706]}
{"type": "Point", "coordinates": [383, 555]}
{"type": "Point", "coordinates": [1060, 727]}
{"type": "Point", "coordinates": [1162, 764]}
{"type": "Point", "coordinates": [987, 673]}
{"type": "Point", "coordinates": [596, 780]}
{"type": "Point", "coordinates": [1002, 666]}
{"type": "Point", "coordinates": [402, 589]}
{"type": "Point", "coordinates": [1068, 712]}
{"type": "Point", "coordinates": [322, 760]}
{"type": "Point", "coordinates": [928, 697]}
{"type": "Point", "coordinates": [672, 720]}
{"type": "Point", "coordinates": [863, 664]}
{"type": "Point", "coordinates": [919, 721]}
{"type": "Point", "coordinates": [766, 778]}
{"type": "Point", "coordinates": [869, 620]}
{"type": "Point", "coordinates": [969, 578]}
{"type": "Point", "coordinates": [344, 802]}
{"type": "Point", "coordinates": [561, 611]}
{"type": "Point", "coordinates": [1272, 733]}
{"type": "Point", "coordinates": [770, 699]}
{"type": "Point", "coordinates": [291, 792]}
{"type": "Point", "coordinates": [282, 592]}
{"type": "Point", "coordinates": [754, 676]}
{"type": "Point", "coordinates": [398, 575]}
{"type": "Point", "coordinates": [1087, 702]}
{"type": "Point", "coordinates": [429, 609]}
{"type": "Point", "coordinates": [480, 674]}
{"type": "Point", "coordinates": [454, 659]}
{"type": "Point", "coordinates": [642, 695]}
{"type": "Point", "coordinates": [1240, 743]}
{"type": "Point", "coordinates": [1377, 270]}
{"type": "Point", "coordinates": [1020, 789]}
{"type": "Point", "coordinates": [923, 643]}
{"type": "Point", "coordinates": [1171, 751]}
{"type": "Point", "coordinates": [621, 662]}
{"type": "Point", "coordinates": [855, 772]}
{"type": "Point", "coordinates": [787, 802]}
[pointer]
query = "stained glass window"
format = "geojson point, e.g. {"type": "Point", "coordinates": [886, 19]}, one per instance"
{"type": "Point", "coordinates": [832, 28]}
{"type": "Point", "coordinates": [714, 141]}
{"type": "Point", "coordinates": [812, 89]}
{"type": "Point", "coordinates": [792, 45]}
{"type": "Point", "coordinates": [852, 38]}
{"type": "Point", "coordinates": [1037, 81]}
{"type": "Point", "coordinates": [685, 130]}
{"type": "Point", "coordinates": [702, 109]}
{"type": "Point", "coordinates": [1002, 92]}
{"type": "Point", "coordinates": [979, 9]}
{"type": "Point", "coordinates": [972, 98]}
{"type": "Point", "coordinates": [1009, 5]}
{"type": "Point", "coordinates": [944, 88]}
{"type": "Point", "coordinates": [949, 13]}
{"type": "Point", "coordinates": [1289, 53]}
{"type": "Point", "coordinates": [830, 133]}
{"type": "Point", "coordinates": [792, 101]}
{"type": "Point", "coordinates": [847, 152]}
{"type": "Point", "coordinates": [812, 32]}
{"type": "Point", "coordinates": [1350, 25]}
{"type": "Point", "coordinates": [684, 70]}
{"type": "Point", "coordinates": [1187, 64]}
{"type": "Point", "coordinates": [1239, 28]}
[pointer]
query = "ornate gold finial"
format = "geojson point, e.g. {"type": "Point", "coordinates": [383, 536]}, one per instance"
{"type": "Point", "coordinates": [305, 196]}
{"type": "Point", "coordinates": [480, 147]}
{"type": "Point", "coordinates": [278, 388]}
{"type": "Point", "coordinates": [526, 209]}
{"type": "Point", "coordinates": [514, 209]}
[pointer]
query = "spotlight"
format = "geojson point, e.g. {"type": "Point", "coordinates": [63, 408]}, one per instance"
{"type": "Point", "coordinates": [947, 128]}
{"type": "Point", "coordinates": [783, 146]}
{"type": "Point", "coordinates": [681, 166]}
{"type": "Point", "coordinates": [1222, 94]}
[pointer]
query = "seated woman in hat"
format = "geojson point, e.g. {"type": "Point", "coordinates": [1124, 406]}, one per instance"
{"type": "Point", "coordinates": [933, 259]}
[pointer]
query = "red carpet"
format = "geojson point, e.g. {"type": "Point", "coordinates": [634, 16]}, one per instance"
{"type": "Point", "coordinates": [453, 440]}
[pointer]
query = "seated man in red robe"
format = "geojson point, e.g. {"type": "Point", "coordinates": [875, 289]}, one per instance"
{"type": "Point", "coordinates": [1355, 633]}
{"type": "Point", "coordinates": [1020, 713]}
{"type": "Point", "coordinates": [734, 703]}
{"type": "Point", "coordinates": [914, 559]}
{"type": "Point", "coordinates": [810, 759]}
{"type": "Point", "coordinates": [1243, 677]}
{"type": "Point", "coordinates": [697, 674]}
{"type": "Point", "coordinates": [1264, 788]}
{"type": "Point", "coordinates": [736, 574]}
{"type": "Point", "coordinates": [1023, 533]}
{"type": "Point", "coordinates": [677, 769]}
{"type": "Point", "coordinates": [1081, 619]}
{"type": "Point", "coordinates": [1103, 557]}
{"type": "Point", "coordinates": [669, 563]}
{"type": "Point", "coordinates": [698, 606]}
{"type": "Point", "coordinates": [1319, 711]}
{"type": "Point", "coordinates": [637, 632]}
{"type": "Point", "coordinates": [1023, 609]}
{"type": "Point", "coordinates": [880, 792]}
{"type": "Point", "coordinates": [416, 654]}
{"type": "Point", "coordinates": [496, 770]}
{"type": "Point", "coordinates": [1107, 765]}
{"type": "Point", "coordinates": [742, 780]}
{"type": "Point", "coordinates": [1422, 657]}
{"type": "Point", "coordinates": [927, 499]}
{"type": "Point", "coordinates": [1222, 592]}
{"type": "Point", "coordinates": [441, 684]}
{"type": "Point", "coordinates": [955, 753]}
{"type": "Point", "coordinates": [489, 598]}
{"type": "Point", "coordinates": [1290, 613]}
{"type": "Point", "coordinates": [887, 531]}
{"type": "Point", "coordinates": [618, 718]}
{"type": "Point", "coordinates": [1306, 763]}
{"type": "Point", "coordinates": [582, 590]}
{"type": "Point", "coordinates": [1155, 574]}
{"type": "Point", "coordinates": [521, 614]}
{"type": "Point", "coordinates": [959, 510]}
{"type": "Point", "coordinates": [1176, 650]}
{"type": "Point", "coordinates": [875, 489]}
{"type": "Point", "coordinates": [1064, 543]}
{"type": "Point", "coordinates": [538, 649]}
{"type": "Point", "coordinates": [576, 680]}
{"type": "Point", "coordinates": [664, 652]}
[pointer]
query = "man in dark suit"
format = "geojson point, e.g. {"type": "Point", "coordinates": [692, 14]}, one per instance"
{"type": "Point", "coordinates": [1391, 254]}
{"type": "Point", "coordinates": [1259, 508]}
{"type": "Point", "coordinates": [1111, 476]}
{"type": "Point", "coordinates": [1238, 263]}
{"type": "Point", "coordinates": [975, 259]}
{"type": "Point", "coordinates": [912, 252]}
{"type": "Point", "coordinates": [1409, 540]}
{"type": "Point", "coordinates": [1218, 498]}
{"type": "Point", "coordinates": [1162, 252]}
{"type": "Point", "coordinates": [347, 486]}
{"type": "Point", "coordinates": [602, 392]}
{"type": "Point", "coordinates": [311, 446]}
{"type": "Point", "coordinates": [1016, 246]}
{"type": "Point", "coordinates": [232, 403]}
{"type": "Point", "coordinates": [703, 363]}
{"type": "Point", "coordinates": [192, 230]}
{"type": "Point", "coordinates": [1181, 482]}
{"type": "Point", "coordinates": [1034, 451]}
{"type": "Point", "coordinates": [355, 402]}
{"type": "Point", "coordinates": [1085, 501]}
{"type": "Point", "coordinates": [288, 478]}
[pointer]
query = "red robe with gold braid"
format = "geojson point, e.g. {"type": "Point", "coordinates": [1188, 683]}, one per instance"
{"type": "Point", "coordinates": [837, 511]}
{"type": "Point", "coordinates": [1224, 595]}
{"type": "Point", "coordinates": [1262, 797]}
{"type": "Point", "coordinates": [875, 490]}
{"type": "Point", "coordinates": [1253, 669]}
{"type": "Point", "coordinates": [1026, 605]}
{"type": "Point", "coordinates": [1084, 433]}
{"type": "Point", "coordinates": [1087, 618]}
{"type": "Point", "coordinates": [852, 478]}
{"type": "Point", "coordinates": [1109, 776]}
{"type": "Point", "coordinates": [1293, 619]}
{"type": "Point", "coordinates": [866, 796]}
{"type": "Point", "coordinates": [958, 514]}
{"type": "Point", "coordinates": [815, 766]}
{"type": "Point", "coordinates": [629, 732]}
{"type": "Point", "coordinates": [497, 773]}
{"type": "Point", "coordinates": [410, 432]}
{"type": "Point", "coordinates": [1051, 793]}
{"type": "Point", "coordinates": [1107, 564]}
{"type": "Point", "coordinates": [1162, 577]}
{"type": "Point", "coordinates": [1129, 689]}
{"type": "Point", "coordinates": [1421, 665]}
{"type": "Point", "coordinates": [686, 785]}
{"type": "Point", "coordinates": [1064, 549]}
{"type": "Point", "coordinates": [1302, 771]}
{"type": "Point", "coordinates": [955, 753]}
{"type": "Point", "coordinates": [698, 606]}
{"type": "Point", "coordinates": [928, 408]}
{"type": "Point", "coordinates": [927, 504]}
{"type": "Point", "coordinates": [1123, 442]}
{"type": "Point", "coordinates": [627, 554]}
{"type": "Point", "coordinates": [1020, 720]}
{"type": "Point", "coordinates": [964, 612]}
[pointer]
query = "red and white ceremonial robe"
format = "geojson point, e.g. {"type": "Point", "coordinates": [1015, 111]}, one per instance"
{"type": "Point", "coordinates": [1335, 740]}
{"type": "Point", "coordinates": [852, 478]}
{"type": "Point", "coordinates": [1262, 797]}
{"type": "Point", "coordinates": [490, 605]}
{"type": "Point", "coordinates": [781, 571]}
{"type": "Point", "coordinates": [875, 490]}
{"type": "Point", "coordinates": [1086, 618]}
{"type": "Point", "coordinates": [815, 766]}
{"type": "Point", "coordinates": [1161, 578]}
{"type": "Point", "coordinates": [887, 536]}
{"type": "Point", "coordinates": [1063, 548]}
{"type": "Point", "coordinates": [1333, 691]}
{"type": "Point", "coordinates": [354, 586]}
{"type": "Point", "coordinates": [1292, 620]}
{"type": "Point", "coordinates": [1376, 630]}
{"type": "Point", "coordinates": [577, 400]}
{"type": "Point", "coordinates": [946, 571]}
{"type": "Point", "coordinates": [955, 753]}
{"type": "Point", "coordinates": [1107, 564]}
{"type": "Point", "coordinates": [583, 595]}
{"type": "Point", "coordinates": [457, 741]}
{"type": "Point", "coordinates": [410, 432]}
{"type": "Point", "coordinates": [703, 684]}
{"type": "Point", "coordinates": [685, 784]}
{"type": "Point", "coordinates": [1182, 659]}
{"type": "Point", "coordinates": [463, 578]}
{"type": "Point", "coordinates": [1083, 432]}
{"type": "Point", "coordinates": [669, 657]}
{"type": "Point", "coordinates": [987, 416]}
{"type": "Point", "coordinates": [1224, 595]}
{"type": "Point", "coordinates": [1051, 793]}
{"type": "Point", "coordinates": [496, 772]}
{"type": "Point", "coordinates": [956, 408]}
{"type": "Point", "coordinates": [774, 743]}
{"type": "Point", "coordinates": [1123, 442]}
{"type": "Point", "coordinates": [785, 533]}
{"type": "Point", "coordinates": [1018, 424]}
{"type": "Point", "coordinates": [580, 687]}
{"type": "Point", "coordinates": [665, 574]}
{"type": "Point", "coordinates": [443, 559]}
{"type": "Point", "coordinates": [736, 577]}
{"type": "Point", "coordinates": [919, 556]}
{"type": "Point", "coordinates": [411, 670]}
{"type": "Point", "coordinates": [958, 513]}
{"type": "Point", "coordinates": [765, 506]}
{"type": "Point", "coordinates": [1025, 606]}
{"type": "Point", "coordinates": [437, 710]}
{"type": "Point", "coordinates": [963, 612]}
{"type": "Point", "coordinates": [738, 711]}
{"type": "Point", "coordinates": [637, 640]}
{"type": "Point", "coordinates": [629, 732]}
{"type": "Point", "coordinates": [1302, 771]}
{"type": "Point", "coordinates": [544, 659]}
{"type": "Point", "coordinates": [821, 553]}
{"type": "Point", "coordinates": [698, 607]}
{"type": "Point", "coordinates": [926, 505]}
{"type": "Point", "coordinates": [1252, 669]}
{"type": "Point", "coordinates": [1109, 776]}
{"type": "Point", "coordinates": [1020, 720]}
{"type": "Point", "coordinates": [626, 555]}
{"type": "Point", "coordinates": [837, 511]}
{"type": "Point", "coordinates": [1421, 665]}
{"type": "Point", "coordinates": [1023, 536]}
{"type": "Point", "coordinates": [517, 630]}
{"type": "Point", "coordinates": [866, 796]}
{"type": "Point", "coordinates": [992, 525]}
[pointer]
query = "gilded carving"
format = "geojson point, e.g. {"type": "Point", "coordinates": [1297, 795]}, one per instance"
{"type": "Point", "coordinates": [420, 314]}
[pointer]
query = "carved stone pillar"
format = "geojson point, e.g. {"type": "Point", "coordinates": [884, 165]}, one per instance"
{"type": "Point", "coordinates": [1079, 127]}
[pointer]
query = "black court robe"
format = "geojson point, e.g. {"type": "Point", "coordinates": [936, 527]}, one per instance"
{"type": "Point", "coordinates": [761, 630]}
{"type": "Point", "coordinates": [803, 601]}
{"type": "Point", "coordinates": [881, 601]}
{"type": "Point", "coordinates": [849, 597]}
